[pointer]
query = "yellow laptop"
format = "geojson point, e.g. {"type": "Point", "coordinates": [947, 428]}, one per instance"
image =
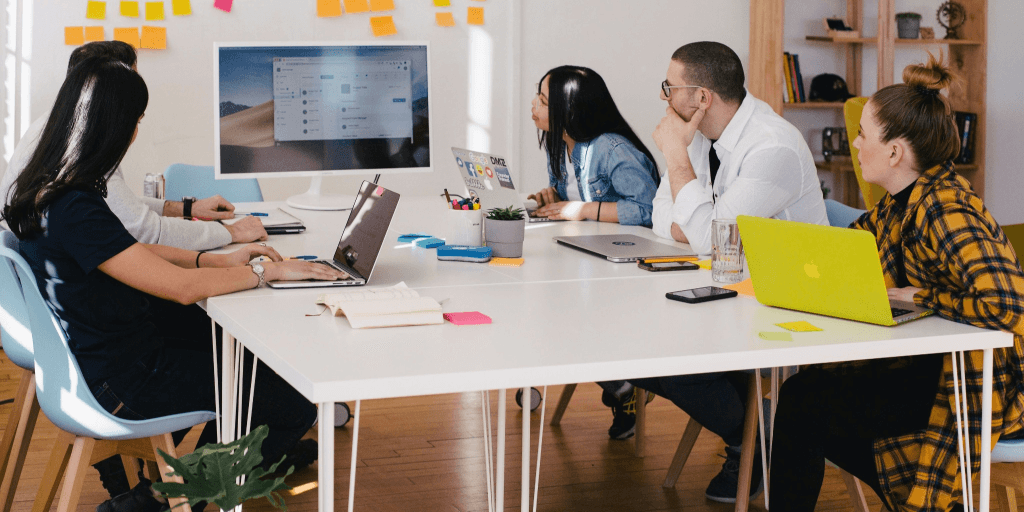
{"type": "Point", "coordinates": [820, 269]}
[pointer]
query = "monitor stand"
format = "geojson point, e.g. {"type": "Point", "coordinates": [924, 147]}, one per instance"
{"type": "Point", "coordinates": [312, 199]}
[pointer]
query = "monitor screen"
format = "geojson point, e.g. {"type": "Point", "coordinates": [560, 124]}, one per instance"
{"type": "Point", "coordinates": [324, 109]}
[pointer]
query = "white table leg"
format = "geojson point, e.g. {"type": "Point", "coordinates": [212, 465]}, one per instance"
{"type": "Point", "coordinates": [499, 493]}
{"type": "Point", "coordinates": [355, 449]}
{"type": "Point", "coordinates": [525, 495]}
{"type": "Point", "coordinates": [227, 388]}
{"type": "Point", "coordinates": [325, 469]}
{"type": "Point", "coordinates": [986, 429]}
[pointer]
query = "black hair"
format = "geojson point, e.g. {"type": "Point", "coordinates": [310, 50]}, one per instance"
{"type": "Point", "coordinates": [117, 51]}
{"type": "Point", "coordinates": [714, 66]}
{"type": "Point", "coordinates": [90, 128]}
{"type": "Point", "coordinates": [580, 106]}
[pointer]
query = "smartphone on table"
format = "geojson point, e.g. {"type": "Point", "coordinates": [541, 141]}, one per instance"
{"type": "Point", "coordinates": [697, 295]}
{"type": "Point", "coordinates": [663, 266]}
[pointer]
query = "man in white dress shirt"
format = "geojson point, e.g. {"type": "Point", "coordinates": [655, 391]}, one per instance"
{"type": "Point", "coordinates": [151, 221]}
{"type": "Point", "coordinates": [728, 154]}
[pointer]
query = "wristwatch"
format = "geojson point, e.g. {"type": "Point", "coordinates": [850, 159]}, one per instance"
{"type": "Point", "coordinates": [186, 209]}
{"type": "Point", "coordinates": [258, 270]}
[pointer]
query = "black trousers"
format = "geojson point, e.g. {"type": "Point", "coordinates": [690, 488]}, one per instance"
{"type": "Point", "coordinates": [716, 400]}
{"type": "Point", "coordinates": [825, 415]}
{"type": "Point", "coordinates": [179, 377]}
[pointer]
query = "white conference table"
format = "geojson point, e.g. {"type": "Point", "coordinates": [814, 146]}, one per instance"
{"type": "Point", "coordinates": [586, 308]}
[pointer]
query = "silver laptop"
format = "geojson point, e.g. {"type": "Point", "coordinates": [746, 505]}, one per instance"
{"type": "Point", "coordinates": [622, 248]}
{"type": "Point", "coordinates": [487, 176]}
{"type": "Point", "coordinates": [361, 240]}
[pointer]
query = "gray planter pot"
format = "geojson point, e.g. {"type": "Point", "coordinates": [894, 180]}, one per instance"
{"type": "Point", "coordinates": [908, 27]}
{"type": "Point", "coordinates": [505, 237]}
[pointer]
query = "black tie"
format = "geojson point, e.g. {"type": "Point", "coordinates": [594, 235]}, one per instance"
{"type": "Point", "coordinates": [714, 161]}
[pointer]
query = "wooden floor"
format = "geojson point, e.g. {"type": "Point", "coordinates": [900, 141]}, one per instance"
{"type": "Point", "coordinates": [426, 454]}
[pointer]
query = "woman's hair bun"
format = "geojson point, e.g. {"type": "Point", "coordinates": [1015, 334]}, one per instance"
{"type": "Point", "coordinates": [930, 77]}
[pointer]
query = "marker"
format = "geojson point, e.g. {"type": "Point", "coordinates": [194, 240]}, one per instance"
{"type": "Point", "coordinates": [253, 214]}
{"type": "Point", "coordinates": [448, 197]}
{"type": "Point", "coordinates": [305, 257]}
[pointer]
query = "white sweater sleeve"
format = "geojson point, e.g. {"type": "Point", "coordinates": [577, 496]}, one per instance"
{"type": "Point", "coordinates": [150, 228]}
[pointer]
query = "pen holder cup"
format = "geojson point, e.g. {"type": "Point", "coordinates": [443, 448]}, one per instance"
{"type": "Point", "coordinates": [465, 227]}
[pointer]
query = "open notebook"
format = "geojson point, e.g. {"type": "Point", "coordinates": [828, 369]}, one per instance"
{"type": "Point", "coordinates": [388, 307]}
{"type": "Point", "coordinates": [276, 221]}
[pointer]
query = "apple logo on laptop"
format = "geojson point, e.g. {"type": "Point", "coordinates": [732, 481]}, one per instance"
{"type": "Point", "coordinates": [811, 270]}
{"type": "Point", "coordinates": [623, 243]}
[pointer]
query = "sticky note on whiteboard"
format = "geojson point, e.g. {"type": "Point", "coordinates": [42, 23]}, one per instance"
{"type": "Point", "coordinates": [328, 8]}
{"type": "Point", "coordinates": [154, 11]}
{"type": "Point", "coordinates": [445, 19]}
{"type": "Point", "coordinates": [154, 38]}
{"type": "Point", "coordinates": [94, 34]}
{"type": "Point", "coordinates": [383, 26]}
{"type": "Point", "coordinates": [96, 10]}
{"type": "Point", "coordinates": [181, 7]}
{"type": "Point", "coordinates": [74, 36]}
{"type": "Point", "coordinates": [382, 5]}
{"type": "Point", "coordinates": [224, 5]}
{"type": "Point", "coordinates": [128, 35]}
{"type": "Point", "coordinates": [475, 16]}
{"type": "Point", "coordinates": [130, 9]}
{"type": "Point", "coordinates": [356, 6]}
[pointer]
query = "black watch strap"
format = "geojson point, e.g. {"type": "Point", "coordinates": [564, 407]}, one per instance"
{"type": "Point", "coordinates": [186, 208]}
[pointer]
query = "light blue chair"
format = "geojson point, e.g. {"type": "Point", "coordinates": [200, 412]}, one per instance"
{"type": "Point", "coordinates": [183, 180]}
{"type": "Point", "coordinates": [840, 215]}
{"type": "Point", "coordinates": [89, 433]}
{"type": "Point", "coordinates": [17, 341]}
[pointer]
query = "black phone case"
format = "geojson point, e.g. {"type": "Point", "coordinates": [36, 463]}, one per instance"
{"type": "Point", "coordinates": [684, 266]}
{"type": "Point", "coordinates": [698, 300]}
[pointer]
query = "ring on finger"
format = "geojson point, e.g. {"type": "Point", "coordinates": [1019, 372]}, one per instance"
{"type": "Point", "coordinates": [263, 244]}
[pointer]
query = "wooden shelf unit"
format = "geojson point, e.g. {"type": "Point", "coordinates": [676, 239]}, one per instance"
{"type": "Point", "coordinates": [966, 57]}
{"type": "Point", "coordinates": [808, 105]}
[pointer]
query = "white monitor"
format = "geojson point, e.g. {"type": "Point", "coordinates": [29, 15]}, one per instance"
{"type": "Point", "coordinates": [321, 109]}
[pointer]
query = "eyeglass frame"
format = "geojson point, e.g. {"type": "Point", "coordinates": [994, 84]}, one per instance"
{"type": "Point", "coordinates": [666, 89]}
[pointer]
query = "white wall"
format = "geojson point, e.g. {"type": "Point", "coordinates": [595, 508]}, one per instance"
{"type": "Point", "coordinates": [1004, 181]}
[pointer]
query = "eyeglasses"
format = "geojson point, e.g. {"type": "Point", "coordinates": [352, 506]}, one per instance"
{"type": "Point", "coordinates": [667, 89]}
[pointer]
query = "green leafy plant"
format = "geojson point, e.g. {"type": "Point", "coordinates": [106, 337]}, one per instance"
{"type": "Point", "coordinates": [507, 213]}
{"type": "Point", "coordinates": [824, 190]}
{"type": "Point", "coordinates": [211, 473]}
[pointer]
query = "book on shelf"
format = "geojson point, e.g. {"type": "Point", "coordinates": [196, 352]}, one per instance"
{"type": "Point", "coordinates": [799, 78]}
{"type": "Point", "coordinates": [795, 92]}
{"type": "Point", "coordinates": [966, 124]}
{"type": "Point", "coordinates": [388, 307]}
{"type": "Point", "coordinates": [788, 93]}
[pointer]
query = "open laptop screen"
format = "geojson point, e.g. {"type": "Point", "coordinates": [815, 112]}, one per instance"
{"type": "Point", "coordinates": [366, 228]}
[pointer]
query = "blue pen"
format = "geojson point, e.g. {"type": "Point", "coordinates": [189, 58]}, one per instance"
{"type": "Point", "coordinates": [254, 214]}
{"type": "Point", "coordinates": [306, 257]}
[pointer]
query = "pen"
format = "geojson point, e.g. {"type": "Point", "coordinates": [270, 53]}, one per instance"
{"type": "Point", "coordinates": [253, 214]}
{"type": "Point", "coordinates": [670, 259]}
{"type": "Point", "coordinates": [305, 257]}
{"type": "Point", "coordinates": [448, 197]}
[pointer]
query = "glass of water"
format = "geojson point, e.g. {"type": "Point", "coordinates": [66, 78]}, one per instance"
{"type": "Point", "coordinates": [726, 252]}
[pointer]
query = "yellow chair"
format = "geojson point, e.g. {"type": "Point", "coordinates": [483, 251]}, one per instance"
{"type": "Point", "coordinates": [852, 111]}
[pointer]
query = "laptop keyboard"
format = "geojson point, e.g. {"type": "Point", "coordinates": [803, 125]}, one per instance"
{"type": "Point", "coordinates": [335, 267]}
{"type": "Point", "coordinates": [898, 312]}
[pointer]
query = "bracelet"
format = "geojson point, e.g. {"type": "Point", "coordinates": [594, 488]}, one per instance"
{"type": "Point", "coordinates": [198, 254]}
{"type": "Point", "coordinates": [598, 211]}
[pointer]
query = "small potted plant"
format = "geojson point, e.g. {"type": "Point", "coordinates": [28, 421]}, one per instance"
{"type": "Point", "coordinates": [908, 25]}
{"type": "Point", "coordinates": [504, 230]}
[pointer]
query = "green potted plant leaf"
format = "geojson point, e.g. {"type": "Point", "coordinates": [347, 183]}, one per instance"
{"type": "Point", "coordinates": [211, 473]}
{"type": "Point", "coordinates": [504, 231]}
{"type": "Point", "coordinates": [908, 25]}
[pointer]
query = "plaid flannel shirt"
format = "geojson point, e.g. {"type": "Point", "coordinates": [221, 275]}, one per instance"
{"type": "Point", "coordinates": [954, 250]}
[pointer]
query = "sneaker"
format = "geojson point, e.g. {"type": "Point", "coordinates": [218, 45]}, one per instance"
{"type": "Point", "coordinates": [623, 415]}
{"type": "Point", "coordinates": [722, 487]}
{"type": "Point", "coordinates": [138, 499]}
{"type": "Point", "coordinates": [302, 455]}
{"type": "Point", "coordinates": [112, 476]}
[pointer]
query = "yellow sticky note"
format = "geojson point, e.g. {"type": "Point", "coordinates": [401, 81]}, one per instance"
{"type": "Point", "coordinates": [445, 19]}
{"type": "Point", "coordinates": [475, 16]}
{"type": "Point", "coordinates": [743, 287]}
{"type": "Point", "coordinates": [128, 35]}
{"type": "Point", "coordinates": [93, 34]}
{"type": "Point", "coordinates": [154, 11]}
{"type": "Point", "coordinates": [96, 10]}
{"type": "Point", "coordinates": [130, 9]}
{"type": "Point", "coordinates": [154, 38]}
{"type": "Point", "coordinates": [74, 36]}
{"type": "Point", "coordinates": [356, 6]}
{"type": "Point", "coordinates": [800, 326]}
{"type": "Point", "coordinates": [383, 26]}
{"type": "Point", "coordinates": [181, 7]}
{"type": "Point", "coordinates": [328, 8]}
{"type": "Point", "coordinates": [442, 3]}
{"type": "Point", "coordinates": [704, 264]}
{"type": "Point", "coordinates": [382, 5]}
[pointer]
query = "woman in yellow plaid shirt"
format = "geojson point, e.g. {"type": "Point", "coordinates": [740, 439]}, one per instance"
{"type": "Point", "coordinates": [890, 422]}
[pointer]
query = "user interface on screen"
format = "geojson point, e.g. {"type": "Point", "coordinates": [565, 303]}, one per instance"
{"type": "Point", "coordinates": [322, 109]}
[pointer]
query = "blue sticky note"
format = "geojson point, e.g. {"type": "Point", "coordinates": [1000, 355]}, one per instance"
{"type": "Point", "coordinates": [429, 243]}
{"type": "Point", "coordinates": [411, 237]}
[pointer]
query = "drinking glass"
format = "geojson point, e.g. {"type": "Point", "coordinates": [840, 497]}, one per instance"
{"type": "Point", "coordinates": [727, 251]}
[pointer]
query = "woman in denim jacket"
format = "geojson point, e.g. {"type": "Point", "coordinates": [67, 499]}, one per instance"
{"type": "Point", "coordinates": [613, 177]}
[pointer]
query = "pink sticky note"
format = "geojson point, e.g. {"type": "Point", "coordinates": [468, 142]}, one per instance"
{"type": "Point", "coordinates": [467, 318]}
{"type": "Point", "coordinates": [224, 5]}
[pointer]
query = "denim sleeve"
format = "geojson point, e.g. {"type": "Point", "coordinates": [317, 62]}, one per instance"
{"type": "Point", "coordinates": [631, 176]}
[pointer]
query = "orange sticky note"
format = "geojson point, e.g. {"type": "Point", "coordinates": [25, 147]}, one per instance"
{"type": "Point", "coordinates": [74, 36]}
{"type": "Point", "coordinates": [442, 3]}
{"type": "Point", "coordinates": [94, 34]}
{"type": "Point", "coordinates": [130, 9]}
{"type": "Point", "coordinates": [745, 287]}
{"type": "Point", "coordinates": [356, 6]}
{"type": "Point", "coordinates": [383, 26]}
{"type": "Point", "coordinates": [128, 35]}
{"type": "Point", "coordinates": [382, 5]}
{"type": "Point", "coordinates": [154, 11]}
{"type": "Point", "coordinates": [445, 19]}
{"type": "Point", "coordinates": [328, 8]}
{"type": "Point", "coordinates": [181, 7]}
{"type": "Point", "coordinates": [475, 16]}
{"type": "Point", "coordinates": [96, 10]}
{"type": "Point", "coordinates": [154, 38]}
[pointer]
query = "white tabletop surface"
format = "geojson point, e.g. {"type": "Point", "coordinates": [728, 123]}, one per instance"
{"type": "Point", "coordinates": [563, 317]}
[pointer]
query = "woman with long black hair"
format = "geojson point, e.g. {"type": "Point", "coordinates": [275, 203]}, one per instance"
{"type": "Point", "coordinates": [598, 168]}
